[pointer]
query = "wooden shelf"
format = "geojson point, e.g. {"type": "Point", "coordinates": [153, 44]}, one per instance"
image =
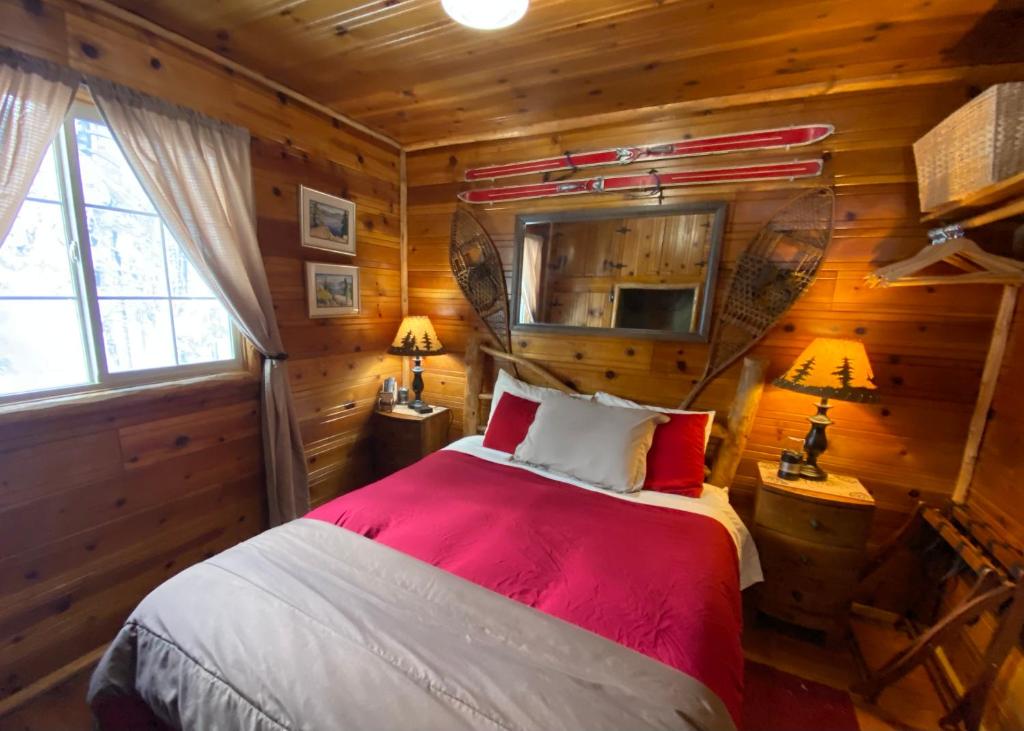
{"type": "Point", "coordinates": [990, 196]}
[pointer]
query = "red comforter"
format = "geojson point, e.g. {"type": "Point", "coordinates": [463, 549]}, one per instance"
{"type": "Point", "coordinates": [660, 581]}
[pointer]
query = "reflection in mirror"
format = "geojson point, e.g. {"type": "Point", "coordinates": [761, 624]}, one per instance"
{"type": "Point", "coordinates": [649, 270]}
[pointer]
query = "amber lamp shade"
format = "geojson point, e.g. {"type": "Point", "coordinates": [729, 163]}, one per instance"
{"type": "Point", "coordinates": [828, 368]}
{"type": "Point", "coordinates": [416, 337]}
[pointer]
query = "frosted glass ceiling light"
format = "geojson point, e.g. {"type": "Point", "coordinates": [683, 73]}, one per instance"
{"type": "Point", "coordinates": [486, 14]}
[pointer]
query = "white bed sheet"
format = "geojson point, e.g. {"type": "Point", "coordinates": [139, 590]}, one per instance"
{"type": "Point", "coordinates": [713, 503]}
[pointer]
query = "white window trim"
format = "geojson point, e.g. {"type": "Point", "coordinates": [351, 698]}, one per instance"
{"type": "Point", "coordinates": [79, 253]}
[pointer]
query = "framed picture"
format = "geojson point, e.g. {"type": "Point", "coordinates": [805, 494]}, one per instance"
{"type": "Point", "coordinates": [328, 222]}
{"type": "Point", "coordinates": [332, 290]}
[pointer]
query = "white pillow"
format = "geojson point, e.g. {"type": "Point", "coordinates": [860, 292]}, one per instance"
{"type": "Point", "coordinates": [611, 400]}
{"type": "Point", "coordinates": [605, 446]}
{"type": "Point", "coordinates": [513, 385]}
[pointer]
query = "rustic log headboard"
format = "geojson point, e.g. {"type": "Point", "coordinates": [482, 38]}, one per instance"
{"type": "Point", "coordinates": [728, 435]}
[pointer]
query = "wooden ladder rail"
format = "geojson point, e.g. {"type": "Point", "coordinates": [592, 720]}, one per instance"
{"type": "Point", "coordinates": [1007, 595]}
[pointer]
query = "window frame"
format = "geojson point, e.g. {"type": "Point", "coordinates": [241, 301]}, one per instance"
{"type": "Point", "coordinates": [79, 251]}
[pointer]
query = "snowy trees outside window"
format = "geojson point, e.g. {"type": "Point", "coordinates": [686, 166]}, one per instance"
{"type": "Point", "coordinates": [93, 286]}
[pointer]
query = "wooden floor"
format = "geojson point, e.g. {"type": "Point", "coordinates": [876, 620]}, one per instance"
{"type": "Point", "coordinates": [61, 708]}
{"type": "Point", "coordinates": [911, 704]}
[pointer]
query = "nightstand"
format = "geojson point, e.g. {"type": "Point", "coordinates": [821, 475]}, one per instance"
{"type": "Point", "coordinates": [402, 436]}
{"type": "Point", "coordinates": [811, 537]}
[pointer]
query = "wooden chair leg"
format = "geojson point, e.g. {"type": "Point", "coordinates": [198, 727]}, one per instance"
{"type": "Point", "coordinates": [967, 711]}
{"type": "Point", "coordinates": [905, 661]}
{"type": "Point", "coordinates": [971, 707]}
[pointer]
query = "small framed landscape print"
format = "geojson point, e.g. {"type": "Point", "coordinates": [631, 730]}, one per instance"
{"type": "Point", "coordinates": [328, 222]}
{"type": "Point", "coordinates": [332, 290]}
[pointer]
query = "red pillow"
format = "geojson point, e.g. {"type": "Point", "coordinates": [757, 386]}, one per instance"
{"type": "Point", "coordinates": [675, 462]}
{"type": "Point", "coordinates": [510, 422]}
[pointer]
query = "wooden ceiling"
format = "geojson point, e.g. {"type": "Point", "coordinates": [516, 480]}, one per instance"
{"type": "Point", "coordinates": [404, 68]}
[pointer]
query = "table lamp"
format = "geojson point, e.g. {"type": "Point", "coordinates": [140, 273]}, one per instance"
{"type": "Point", "coordinates": [829, 368]}
{"type": "Point", "coordinates": [416, 337]}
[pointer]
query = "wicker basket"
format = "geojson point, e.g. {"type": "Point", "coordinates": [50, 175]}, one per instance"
{"type": "Point", "coordinates": [977, 145]}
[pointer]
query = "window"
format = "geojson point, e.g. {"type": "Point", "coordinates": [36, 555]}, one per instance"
{"type": "Point", "coordinates": [532, 269]}
{"type": "Point", "coordinates": [94, 289]}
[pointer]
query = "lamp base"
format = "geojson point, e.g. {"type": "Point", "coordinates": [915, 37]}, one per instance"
{"type": "Point", "coordinates": [418, 404]}
{"type": "Point", "coordinates": [815, 443]}
{"type": "Point", "coordinates": [813, 472]}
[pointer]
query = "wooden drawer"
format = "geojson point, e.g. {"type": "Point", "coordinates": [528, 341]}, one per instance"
{"type": "Point", "coordinates": [386, 461]}
{"type": "Point", "coordinates": [782, 554]}
{"type": "Point", "coordinates": [811, 520]}
{"type": "Point", "coordinates": [401, 438]}
{"type": "Point", "coordinates": [785, 590]}
{"type": "Point", "coordinates": [793, 613]}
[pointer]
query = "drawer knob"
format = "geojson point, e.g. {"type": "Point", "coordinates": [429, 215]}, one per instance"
{"type": "Point", "coordinates": [797, 596]}
{"type": "Point", "coordinates": [815, 524]}
{"type": "Point", "coordinates": [804, 559]}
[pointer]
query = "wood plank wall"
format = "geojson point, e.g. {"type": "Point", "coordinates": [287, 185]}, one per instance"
{"type": "Point", "coordinates": [100, 504]}
{"type": "Point", "coordinates": [927, 345]}
{"type": "Point", "coordinates": [336, 365]}
{"type": "Point", "coordinates": [999, 475]}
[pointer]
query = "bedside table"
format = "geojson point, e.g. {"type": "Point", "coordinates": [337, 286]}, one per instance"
{"type": "Point", "coordinates": [811, 537]}
{"type": "Point", "coordinates": [402, 436]}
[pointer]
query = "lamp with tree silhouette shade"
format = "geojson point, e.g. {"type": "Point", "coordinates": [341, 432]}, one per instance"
{"type": "Point", "coordinates": [829, 368]}
{"type": "Point", "coordinates": [416, 337]}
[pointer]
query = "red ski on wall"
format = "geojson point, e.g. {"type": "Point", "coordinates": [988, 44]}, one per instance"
{"type": "Point", "coordinates": [651, 181]}
{"type": "Point", "coordinates": [766, 139]}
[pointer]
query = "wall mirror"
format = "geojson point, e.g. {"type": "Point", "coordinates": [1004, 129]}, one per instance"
{"type": "Point", "coordinates": [641, 272]}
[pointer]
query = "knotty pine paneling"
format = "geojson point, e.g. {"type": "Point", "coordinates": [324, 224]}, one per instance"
{"type": "Point", "coordinates": [408, 69]}
{"type": "Point", "coordinates": [336, 365]}
{"type": "Point", "coordinates": [94, 519]}
{"type": "Point", "coordinates": [927, 345]}
{"type": "Point", "coordinates": [99, 504]}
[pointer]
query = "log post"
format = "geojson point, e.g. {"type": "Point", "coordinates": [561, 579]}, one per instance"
{"type": "Point", "coordinates": [403, 253]}
{"type": "Point", "coordinates": [474, 380]}
{"type": "Point", "coordinates": [532, 372]}
{"type": "Point", "coordinates": [987, 390]}
{"type": "Point", "coordinates": [741, 416]}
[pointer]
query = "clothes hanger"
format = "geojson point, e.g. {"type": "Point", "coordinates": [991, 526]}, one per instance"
{"type": "Point", "coordinates": [949, 245]}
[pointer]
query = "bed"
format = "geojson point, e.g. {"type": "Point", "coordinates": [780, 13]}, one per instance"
{"type": "Point", "coordinates": [464, 591]}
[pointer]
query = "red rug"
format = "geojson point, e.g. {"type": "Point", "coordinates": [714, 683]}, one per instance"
{"type": "Point", "coordinates": [777, 701]}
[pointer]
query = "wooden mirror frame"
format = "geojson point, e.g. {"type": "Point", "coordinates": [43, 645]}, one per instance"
{"type": "Point", "coordinates": [706, 287]}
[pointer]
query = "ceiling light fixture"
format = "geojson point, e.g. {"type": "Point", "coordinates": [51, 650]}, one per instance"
{"type": "Point", "coordinates": [486, 14]}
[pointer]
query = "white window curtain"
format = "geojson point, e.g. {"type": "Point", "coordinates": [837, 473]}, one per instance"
{"type": "Point", "coordinates": [197, 172]}
{"type": "Point", "coordinates": [34, 99]}
{"type": "Point", "coordinates": [529, 286]}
